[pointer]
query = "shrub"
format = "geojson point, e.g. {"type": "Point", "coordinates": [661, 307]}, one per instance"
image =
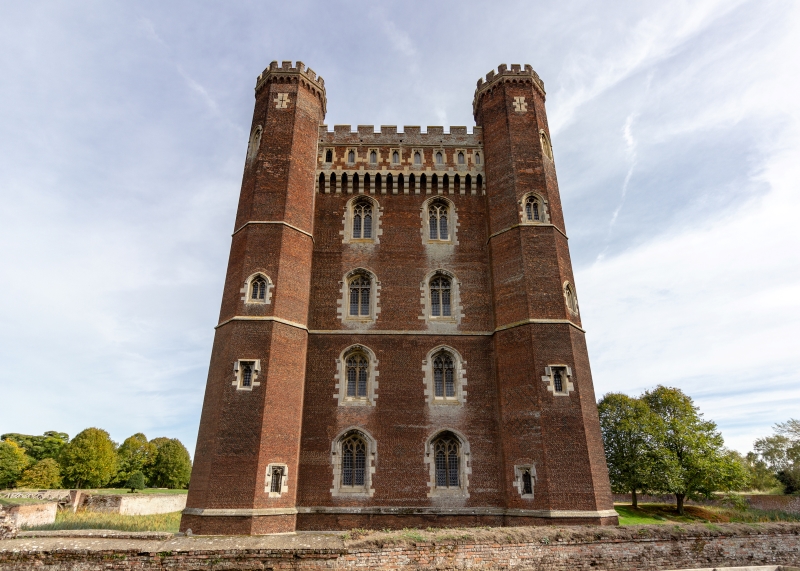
{"type": "Point", "coordinates": [89, 460]}
{"type": "Point", "coordinates": [44, 475]}
{"type": "Point", "coordinates": [135, 482]}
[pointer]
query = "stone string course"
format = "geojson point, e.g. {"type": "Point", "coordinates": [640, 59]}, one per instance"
{"type": "Point", "coordinates": [638, 548]}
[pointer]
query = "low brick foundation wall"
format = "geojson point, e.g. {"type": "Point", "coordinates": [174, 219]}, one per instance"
{"type": "Point", "coordinates": [30, 515]}
{"type": "Point", "coordinates": [635, 548]}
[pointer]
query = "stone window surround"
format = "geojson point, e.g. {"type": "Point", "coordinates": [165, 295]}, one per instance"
{"type": "Point", "coordinates": [343, 303]}
{"type": "Point", "coordinates": [399, 151]}
{"type": "Point", "coordinates": [464, 466]}
{"type": "Point", "coordinates": [324, 154]}
{"type": "Point", "coordinates": [421, 152]}
{"type": "Point", "coordinates": [377, 211]}
{"type": "Point", "coordinates": [518, 471]}
{"type": "Point", "coordinates": [341, 378]}
{"type": "Point", "coordinates": [284, 480]}
{"type": "Point", "coordinates": [377, 151]}
{"type": "Point", "coordinates": [255, 142]}
{"type": "Point", "coordinates": [347, 152]}
{"type": "Point", "coordinates": [366, 491]}
{"type": "Point", "coordinates": [245, 291]}
{"type": "Point", "coordinates": [459, 378]}
{"type": "Point", "coordinates": [547, 146]}
{"type": "Point", "coordinates": [452, 220]}
{"type": "Point", "coordinates": [566, 380]}
{"type": "Point", "coordinates": [544, 215]}
{"type": "Point", "coordinates": [573, 308]}
{"type": "Point", "coordinates": [237, 371]}
{"type": "Point", "coordinates": [456, 309]}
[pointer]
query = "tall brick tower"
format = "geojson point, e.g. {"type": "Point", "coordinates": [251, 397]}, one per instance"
{"type": "Point", "coordinates": [399, 342]}
{"type": "Point", "coordinates": [251, 418]}
{"type": "Point", "coordinates": [547, 411]}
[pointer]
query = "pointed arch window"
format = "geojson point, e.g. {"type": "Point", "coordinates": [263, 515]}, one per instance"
{"type": "Point", "coordinates": [258, 289]}
{"type": "Point", "coordinates": [439, 158]}
{"type": "Point", "coordinates": [395, 157]}
{"type": "Point", "coordinates": [360, 287]}
{"type": "Point", "coordinates": [446, 452]}
{"type": "Point", "coordinates": [444, 384]}
{"type": "Point", "coordinates": [417, 158]}
{"type": "Point", "coordinates": [373, 157]}
{"type": "Point", "coordinates": [477, 158]}
{"type": "Point", "coordinates": [362, 220]}
{"type": "Point", "coordinates": [329, 156]}
{"type": "Point", "coordinates": [438, 213]}
{"type": "Point", "coordinates": [532, 209]}
{"type": "Point", "coordinates": [354, 461]}
{"type": "Point", "coordinates": [461, 158]}
{"type": "Point", "coordinates": [357, 366]}
{"type": "Point", "coordinates": [351, 157]}
{"type": "Point", "coordinates": [441, 296]}
{"type": "Point", "coordinates": [570, 299]}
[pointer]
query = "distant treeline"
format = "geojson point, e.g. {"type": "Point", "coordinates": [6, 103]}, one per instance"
{"type": "Point", "coordinates": [92, 460]}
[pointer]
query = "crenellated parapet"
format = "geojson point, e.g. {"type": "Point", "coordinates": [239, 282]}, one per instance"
{"type": "Point", "coordinates": [517, 74]}
{"type": "Point", "coordinates": [299, 74]}
{"type": "Point", "coordinates": [411, 135]}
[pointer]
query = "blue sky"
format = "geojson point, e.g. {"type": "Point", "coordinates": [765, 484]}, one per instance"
{"type": "Point", "coordinates": [123, 130]}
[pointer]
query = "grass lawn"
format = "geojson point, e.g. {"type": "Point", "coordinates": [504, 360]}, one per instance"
{"type": "Point", "coordinates": [93, 520]}
{"type": "Point", "coordinates": [666, 513]}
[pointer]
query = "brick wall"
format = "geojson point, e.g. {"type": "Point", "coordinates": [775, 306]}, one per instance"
{"type": "Point", "coordinates": [640, 548]}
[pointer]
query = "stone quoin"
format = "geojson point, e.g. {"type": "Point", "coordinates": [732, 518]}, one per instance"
{"type": "Point", "coordinates": [400, 341]}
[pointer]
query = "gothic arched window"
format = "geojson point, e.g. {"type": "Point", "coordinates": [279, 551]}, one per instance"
{"type": "Point", "coordinates": [477, 158]}
{"type": "Point", "coordinates": [276, 479]}
{"type": "Point", "coordinates": [357, 366]}
{"type": "Point", "coordinates": [439, 158]}
{"type": "Point", "coordinates": [444, 384]}
{"type": "Point", "coordinates": [258, 289]}
{"type": "Point", "coordinates": [360, 286]}
{"type": "Point", "coordinates": [373, 157]}
{"type": "Point", "coordinates": [570, 299]}
{"type": "Point", "coordinates": [446, 452]}
{"type": "Point", "coordinates": [351, 157]}
{"type": "Point", "coordinates": [395, 157]}
{"type": "Point", "coordinates": [532, 209]}
{"type": "Point", "coordinates": [437, 220]}
{"type": "Point", "coordinates": [362, 219]}
{"type": "Point", "coordinates": [354, 461]}
{"type": "Point", "coordinates": [417, 158]}
{"type": "Point", "coordinates": [527, 482]}
{"type": "Point", "coordinates": [440, 296]}
{"type": "Point", "coordinates": [460, 158]}
{"type": "Point", "coordinates": [328, 156]}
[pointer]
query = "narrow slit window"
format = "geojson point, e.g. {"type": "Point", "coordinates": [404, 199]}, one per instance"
{"type": "Point", "coordinates": [247, 374]}
{"type": "Point", "coordinates": [527, 482]}
{"type": "Point", "coordinates": [276, 480]}
{"type": "Point", "coordinates": [558, 383]}
{"type": "Point", "coordinates": [477, 158]}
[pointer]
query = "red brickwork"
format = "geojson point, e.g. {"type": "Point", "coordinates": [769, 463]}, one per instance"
{"type": "Point", "coordinates": [509, 323]}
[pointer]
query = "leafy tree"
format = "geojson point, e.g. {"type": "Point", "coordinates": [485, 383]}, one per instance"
{"type": "Point", "coordinates": [90, 459]}
{"type": "Point", "coordinates": [40, 447]}
{"type": "Point", "coordinates": [759, 475]}
{"type": "Point", "coordinates": [12, 462]}
{"type": "Point", "coordinates": [173, 465]}
{"type": "Point", "coordinates": [135, 482]}
{"type": "Point", "coordinates": [692, 460]}
{"type": "Point", "coordinates": [135, 455]}
{"type": "Point", "coordinates": [628, 428]}
{"type": "Point", "coordinates": [44, 475]}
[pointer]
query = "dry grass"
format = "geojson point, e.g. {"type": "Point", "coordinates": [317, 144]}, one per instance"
{"type": "Point", "coordinates": [93, 520]}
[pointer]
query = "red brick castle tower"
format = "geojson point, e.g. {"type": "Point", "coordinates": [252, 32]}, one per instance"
{"type": "Point", "coordinates": [399, 342]}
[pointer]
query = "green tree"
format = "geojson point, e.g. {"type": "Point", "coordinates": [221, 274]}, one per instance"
{"type": "Point", "coordinates": [628, 428]}
{"type": "Point", "coordinates": [44, 475]}
{"type": "Point", "coordinates": [40, 447]}
{"type": "Point", "coordinates": [759, 475]}
{"type": "Point", "coordinates": [89, 460]}
{"type": "Point", "coordinates": [135, 455]}
{"type": "Point", "coordinates": [173, 465]}
{"type": "Point", "coordinates": [692, 460]}
{"type": "Point", "coordinates": [12, 462]}
{"type": "Point", "coordinates": [135, 482]}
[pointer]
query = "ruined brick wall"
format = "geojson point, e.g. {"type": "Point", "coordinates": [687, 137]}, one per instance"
{"type": "Point", "coordinates": [640, 548]}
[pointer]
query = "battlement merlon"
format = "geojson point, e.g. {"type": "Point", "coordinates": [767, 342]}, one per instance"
{"type": "Point", "coordinates": [517, 73]}
{"type": "Point", "coordinates": [411, 136]}
{"type": "Point", "coordinates": [299, 72]}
